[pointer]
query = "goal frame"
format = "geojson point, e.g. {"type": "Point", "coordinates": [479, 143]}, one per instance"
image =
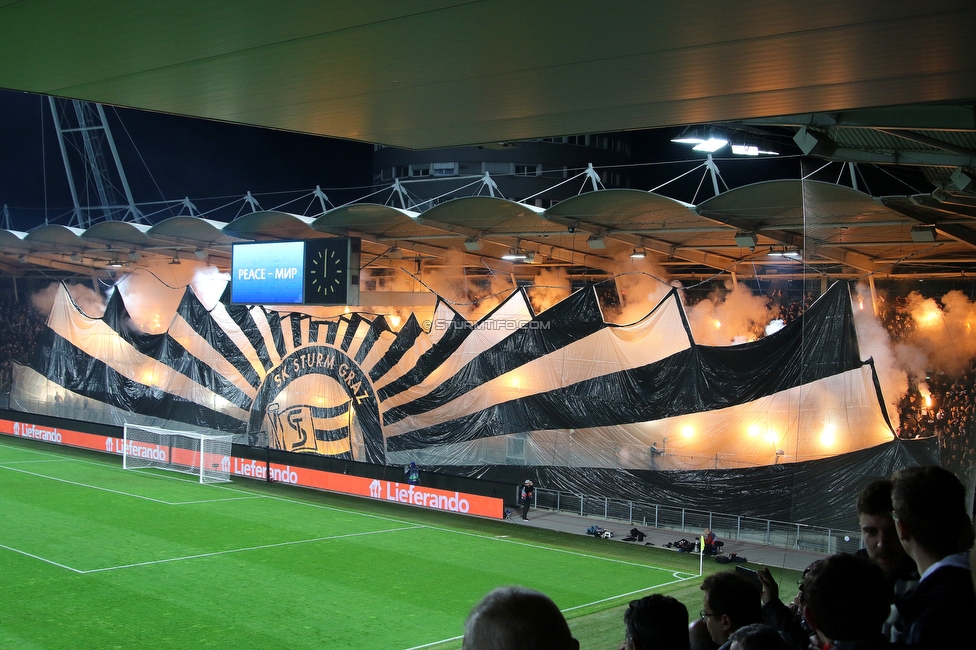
{"type": "Point", "coordinates": [203, 455]}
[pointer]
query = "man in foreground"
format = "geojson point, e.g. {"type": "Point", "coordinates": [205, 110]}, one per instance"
{"type": "Point", "coordinates": [846, 600]}
{"type": "Point", "coordinates": [516, 618]}
{"type": "Point", "coordinates": [731, 601]}
{"type": "Point", "coordinates": [930, 516]}
{"type": "Point", "coordinates": [656, 622]}
{"type": "Point", "coordinates": [879, 536]}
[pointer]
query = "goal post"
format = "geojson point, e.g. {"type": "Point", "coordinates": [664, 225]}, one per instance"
{"type": "Point", "coordinates": [204, 455]}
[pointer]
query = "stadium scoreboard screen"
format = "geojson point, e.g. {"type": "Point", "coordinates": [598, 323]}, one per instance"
{"type": "Point", "coordinates": [311, 272]}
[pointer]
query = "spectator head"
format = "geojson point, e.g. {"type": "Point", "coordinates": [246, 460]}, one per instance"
{"type": "Point", "coordinates": [731, 601]}
{"type": "Point", "coordinates": [846, 598]}
{"type": "Point", "coordinates": [656, 622]}
{"type": "Point", "coordinates": [878, 532]}
{"type": "Point", "coordinates": [516, 618]}
{"type": "Point", "coordinates": [758, 637]}
{"type": "Point", "coordinates": [699, 637]}
{"type": "Point", "coordinates": [929, 507]}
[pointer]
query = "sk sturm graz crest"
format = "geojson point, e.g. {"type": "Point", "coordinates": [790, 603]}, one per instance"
{"type": "Point", "coordinates": [317, 400]}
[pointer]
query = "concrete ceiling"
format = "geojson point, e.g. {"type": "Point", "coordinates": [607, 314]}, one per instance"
{"type": "Point", "coordinates": [434, 73]}
{"type": "Point", "coordinates": [889, 82]}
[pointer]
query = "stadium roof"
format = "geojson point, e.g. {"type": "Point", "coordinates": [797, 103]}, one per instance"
{"type": "Point", "coordinates": [888, 82]}
{"type": "Point", "coordinates": [788, 228]}
{"type": "Point", "coordinates": [434, 73]}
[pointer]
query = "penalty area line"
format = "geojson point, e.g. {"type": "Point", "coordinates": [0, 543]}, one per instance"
{"type": "Point", "coordinates": [33, 462]}
{"type": "Point", "coordinates": [120, 492]}
{"type": "Point", "coordinates": [246, 548]}
{"type": "Point", "coordinates": [84, 485]}
{"type": "Point", "coordinates": [42, 559]}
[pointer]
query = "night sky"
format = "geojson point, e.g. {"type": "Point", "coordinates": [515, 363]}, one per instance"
{"type": "Point", "coordinates": [213, 163]}
{"type": "Point", "coordinates": [171, 157]}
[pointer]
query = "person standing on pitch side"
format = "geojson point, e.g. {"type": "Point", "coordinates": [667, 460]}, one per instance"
{"type": "Point", "coordinates": [525, 496]}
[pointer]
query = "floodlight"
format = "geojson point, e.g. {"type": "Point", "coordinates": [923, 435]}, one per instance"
{"type": "Point", "coordinates": [751, 150]}
{"type": "Point", "coordinates": [703, 139]}
{"type": "Point", "coordinates": [639, 253]}
{"type": "Point", "coordinates": [514, 255]}
{"type": "Point", "coordinates": [791, 253]}
{"type": "Point", "coordinates": [711, 145]}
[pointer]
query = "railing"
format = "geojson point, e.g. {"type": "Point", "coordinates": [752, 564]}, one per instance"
{"type": "Point", "coordinates": [781, 534]}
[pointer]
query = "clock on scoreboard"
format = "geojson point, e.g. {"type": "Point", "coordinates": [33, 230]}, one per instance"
{"type": "Point", "coordinates": [312, 272]}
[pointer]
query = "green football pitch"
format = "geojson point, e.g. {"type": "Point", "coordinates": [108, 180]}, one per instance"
{"type": "Point", "coordinates": [92, 556]}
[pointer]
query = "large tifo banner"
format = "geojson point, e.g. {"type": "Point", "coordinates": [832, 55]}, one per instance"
{"type": "Point", "coordinates": [414, 495]}
{"type": "Point", "coordinates": [555, 391]}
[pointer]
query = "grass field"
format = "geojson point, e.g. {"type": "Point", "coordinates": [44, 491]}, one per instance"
{"type": "Point", "coordinates": [92, 556]}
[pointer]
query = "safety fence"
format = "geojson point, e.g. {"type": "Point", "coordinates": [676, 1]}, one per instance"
{"type": "Point", "coordinates": [781, 534]}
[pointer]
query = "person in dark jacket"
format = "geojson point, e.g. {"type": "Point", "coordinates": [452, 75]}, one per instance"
{"type": "Point", "coordinates": [525, 497]}
{"type": "Point", "coordinates": [930, 515]}
{"type": "Point", "coordinates": [513, 618]}
{"type": "Point", "coordinates": [656, 622]}
{"type": "Point", "coordinates": [846, 600]}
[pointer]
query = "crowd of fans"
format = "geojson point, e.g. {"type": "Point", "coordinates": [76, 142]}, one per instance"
{"type": "Point", "coordinates": [911, 587]}
{"type": "Point", "coordinates": [939, 405]}
{"type": "Point", "coordinates": [22, 325]}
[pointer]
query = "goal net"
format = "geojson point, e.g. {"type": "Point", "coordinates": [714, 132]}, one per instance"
{"type": "Point", "coordinates": [200, 454]}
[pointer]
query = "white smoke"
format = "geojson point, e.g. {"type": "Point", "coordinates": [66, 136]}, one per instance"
{"type": "Point", "coordinates": [90, 302]}
{"type": "Point", "coordinates": [209, 284]}
{"type": "Point", "coordinates": [152, 292]}
{"type": "Point", "coordinates": [890, 361]}
{"type": "Point", "coordinates": [551, 286]}
{"type": "Point", "coordinates": [730, 317]}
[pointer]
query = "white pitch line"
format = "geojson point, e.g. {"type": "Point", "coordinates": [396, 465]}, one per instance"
{"type": "Point", "coordinates": [320, 506]}
{"type": "Point", "coordinates": [628, 594]}
{"type": "Point", "coordinates": [120, 492]}
{"type": "Point", "coordinates": [438, 528]}
{"type": "Point", "coordinates": [193, 503]}
{"type": "Point", "coordinates": [33, 451]}
{"type": "Point", "coordinates": [570, 609]}
{"type": "Point", "coordinates": [441, 642]}
{"type": "Point", "coordinates": [84, 485]}
{"type": "Point", "coordinates": [475, 535]}
{"type": "Point", "coordinates": [360, 514]}
{"type": "Point", "coordinates": [247, 548]}
{"type": "Point", "coordinates": [23, 462]}
{"type": "Point", "coordinates": [42, 559]}
{"type": "Point", "coordinates": [508, 540]}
